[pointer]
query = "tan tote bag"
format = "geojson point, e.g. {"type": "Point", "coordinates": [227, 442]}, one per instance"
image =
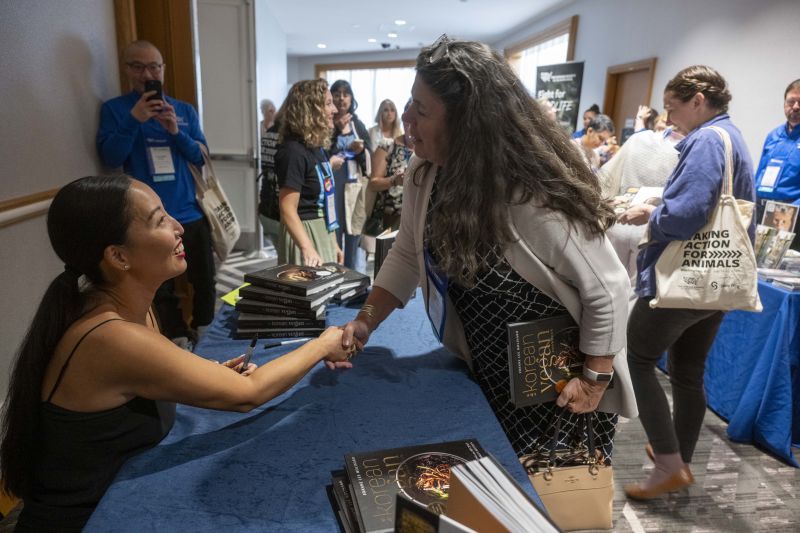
{"type": "Point", "coordinates": [576, 497]}
{"type": "Point", "coordinates": [225, 229]}
{"type": "Point", "coordinates": [716, 268]}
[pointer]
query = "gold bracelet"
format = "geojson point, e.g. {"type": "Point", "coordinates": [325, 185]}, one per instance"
{"type": "Point", "coordinates": [369, 310]}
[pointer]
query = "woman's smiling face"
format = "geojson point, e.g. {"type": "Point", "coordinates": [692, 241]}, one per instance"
{"type": "Point", "coordinates": [425, 119]}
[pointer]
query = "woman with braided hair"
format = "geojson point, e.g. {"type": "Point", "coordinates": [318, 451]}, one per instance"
{"type": "Point", "coordinates": [695, 99]}
{"type": "Point", "coordinates": [94, 382]}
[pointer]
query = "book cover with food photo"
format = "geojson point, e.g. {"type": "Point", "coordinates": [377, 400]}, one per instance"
{"type": "Point", "coordinates": [420, 473]}
{"type": "Point", "coordinates": [295, 279]}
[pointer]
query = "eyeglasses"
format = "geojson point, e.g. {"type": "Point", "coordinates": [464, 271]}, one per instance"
{"type": "Point", "coordinates": [439, 49]}
{"type": "Point", "coordinates": [791, 102]}
{"type": "Point", "coordinates": [138, 68]}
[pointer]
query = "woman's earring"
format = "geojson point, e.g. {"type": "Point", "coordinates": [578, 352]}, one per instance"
{"type": "Point", "coordinates": [127, 267]}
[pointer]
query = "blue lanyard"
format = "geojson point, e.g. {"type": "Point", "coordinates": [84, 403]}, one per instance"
{"type": "Point", "coordinates": [327, 191]}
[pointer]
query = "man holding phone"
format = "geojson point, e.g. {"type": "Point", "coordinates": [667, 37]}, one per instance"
{"type": "Point", "coordinates": [154, 137]}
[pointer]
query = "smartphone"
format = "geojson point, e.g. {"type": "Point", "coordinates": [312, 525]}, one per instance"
{"type": "Point", "coordinates": [153, 85]}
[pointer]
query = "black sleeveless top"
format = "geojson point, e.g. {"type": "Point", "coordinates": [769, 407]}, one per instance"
{"type": "Point", "coordinates": [79, 454]}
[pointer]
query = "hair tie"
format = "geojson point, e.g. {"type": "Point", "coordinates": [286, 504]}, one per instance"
{"type": "Point", "coordinates": [74, 272]}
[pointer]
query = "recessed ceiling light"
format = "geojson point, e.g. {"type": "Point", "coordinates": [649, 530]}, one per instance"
{"type": "Point", "coordinates": [400, 22]}
{"type": "Point", "coordinates": [322, 45]}
{"type": "Point", "coordinates": [371, 40]}
{"type": "Point", "coordinates": [392, 35]}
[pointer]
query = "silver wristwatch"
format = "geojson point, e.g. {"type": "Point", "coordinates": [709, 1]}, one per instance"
{"type": "Point", "coordinates": [590, 374]}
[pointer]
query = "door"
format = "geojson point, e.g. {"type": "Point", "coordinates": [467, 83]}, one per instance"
{"type": "Point", "coordinates": [227, 105]}
{"type": "Point", "coordinates": [627, 87]}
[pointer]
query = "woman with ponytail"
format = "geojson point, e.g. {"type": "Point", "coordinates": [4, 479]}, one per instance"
{"type": "Point", "coordinates": [94, 382]}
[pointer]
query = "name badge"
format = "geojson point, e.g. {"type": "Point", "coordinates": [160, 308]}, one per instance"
{"type": "Point", "coordinates": [327, 191]}
{"type": "Point", "coordinates": [770, 175]}
{"type": "Point", "coordinates": [436, 306]}
{"type": "Point", "coordinates": [161, 166]}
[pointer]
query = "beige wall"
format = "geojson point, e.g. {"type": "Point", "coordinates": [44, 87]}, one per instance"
{"type": "Point", "coordinates": [58, 63]}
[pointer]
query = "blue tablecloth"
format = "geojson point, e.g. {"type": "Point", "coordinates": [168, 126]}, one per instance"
{"type": "Point", "coordinates": [267, 470]}
{"type": "Point", "coordinates": [753, 373]}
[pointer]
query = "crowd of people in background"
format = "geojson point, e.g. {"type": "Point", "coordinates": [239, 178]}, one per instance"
{"type": "Point", "coordinates": [502, 211]}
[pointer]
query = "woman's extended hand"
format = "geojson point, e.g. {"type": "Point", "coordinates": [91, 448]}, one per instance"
{"type": "Point", "coordinates": [355, 335]}
{"type": "Point", "coordinates": [341, 121]}
{"type": "Point", "coordinates": [357, 146]}
{"type": "Point", "coordinates": [336, 162]}
{"type": "Point", "coordinates": [331, 341]}
{"type": "Point", "coordinates": [637, 215]}
{"type": "Point", "coordinates": [641, 116]}
{"type": "Point", "coordinates": [235, 364]}
{"type": "Point", "coordinates": [310, 257]}
{"type": "Point", "coordinates": [581, 395]}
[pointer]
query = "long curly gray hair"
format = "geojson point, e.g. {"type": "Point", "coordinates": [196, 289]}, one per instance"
{"type": "Point", "coordinates": [502, 149]}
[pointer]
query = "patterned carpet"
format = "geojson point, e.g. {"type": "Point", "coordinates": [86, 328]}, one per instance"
{"type": "Point", "coordinates": [738, 487]}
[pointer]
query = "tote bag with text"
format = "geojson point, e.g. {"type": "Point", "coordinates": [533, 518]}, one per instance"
{"type": "Point", "coordinates": [716, 268]}
{"type": "Point", "coordinates": [225, 229]}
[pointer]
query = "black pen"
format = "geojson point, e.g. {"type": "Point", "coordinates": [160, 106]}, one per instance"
{"type": "Point", "coordinates": [249, 353]}
{"type": "Point", "coordinates": [284, 343]}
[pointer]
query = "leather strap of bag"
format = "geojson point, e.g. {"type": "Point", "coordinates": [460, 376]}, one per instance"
{"type": "Point", "coordinates": [587, 420]}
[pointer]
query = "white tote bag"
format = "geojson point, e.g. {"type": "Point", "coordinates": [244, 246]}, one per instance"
{"type": "Point", "coordinates": [716, 268]}
{"type": "Point", "coordinates": [225, 230]}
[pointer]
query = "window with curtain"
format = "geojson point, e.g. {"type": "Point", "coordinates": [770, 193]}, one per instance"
{"type": "Point", "coordinates": [372, 85]}
{"type": "Point", "coordinates": [553, 45]}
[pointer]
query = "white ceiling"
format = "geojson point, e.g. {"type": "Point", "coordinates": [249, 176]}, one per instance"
{"type": "Point", "coordinates": [345, 26]}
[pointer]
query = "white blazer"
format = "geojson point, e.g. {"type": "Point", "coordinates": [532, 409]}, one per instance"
{"type": "Point", "coordinates": [582, 273]}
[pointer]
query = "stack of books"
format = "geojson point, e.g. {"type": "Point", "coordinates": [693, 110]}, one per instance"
{"type": "Point", "coordinates": [286, 301]}
{"type": "Point", "coordinates": [449, 486]}
{"type": "Point", "coordinates": [354, 287]}
{"type": "Point", "coordinates": [784, 279]}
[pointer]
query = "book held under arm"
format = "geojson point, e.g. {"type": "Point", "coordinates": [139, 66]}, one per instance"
{"type": "Point", "coordinates": [543, 356]}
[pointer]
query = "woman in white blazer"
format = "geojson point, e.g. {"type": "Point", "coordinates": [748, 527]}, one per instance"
{"type": "Point", "coordinates": [504, 222]}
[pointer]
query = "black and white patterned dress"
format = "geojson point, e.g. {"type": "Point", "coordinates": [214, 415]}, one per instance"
{"type": "Point", "coordinates": [501, 296]}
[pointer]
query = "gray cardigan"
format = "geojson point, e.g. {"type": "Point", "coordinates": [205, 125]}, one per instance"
{"type": "Point", "coordinates": [582, 273]}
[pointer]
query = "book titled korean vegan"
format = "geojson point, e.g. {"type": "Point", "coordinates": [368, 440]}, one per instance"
{"type": "Point", "coordinates": [421, 473]}
{"type": "Point", "coordinates": [542, 356]}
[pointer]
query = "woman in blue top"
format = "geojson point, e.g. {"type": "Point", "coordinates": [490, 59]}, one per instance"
{"type": "Point", "coordinates": [697, 97]}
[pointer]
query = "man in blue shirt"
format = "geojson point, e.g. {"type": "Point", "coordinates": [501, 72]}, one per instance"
{"type": "Point", "coordinates": [778, 174]}
{"type": "Point", "coordinates": [154, 140]}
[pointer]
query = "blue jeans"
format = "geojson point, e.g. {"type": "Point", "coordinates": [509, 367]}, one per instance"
{"type": "Point", "coordinates": [354, 256]}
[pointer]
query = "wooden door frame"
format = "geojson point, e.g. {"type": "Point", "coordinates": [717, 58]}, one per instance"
{"type": "Point", "coordinates": [612, 76]}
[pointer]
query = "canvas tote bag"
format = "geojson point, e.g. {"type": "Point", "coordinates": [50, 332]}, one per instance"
{"type": "Point", "coordinates": [358, 201]}
{"type": "Point", "coordinates": [576, 497]}
{"type": "Point", "coordinates": [225, 229]}
{"type": "Point", "coordinates": [716, 268]}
